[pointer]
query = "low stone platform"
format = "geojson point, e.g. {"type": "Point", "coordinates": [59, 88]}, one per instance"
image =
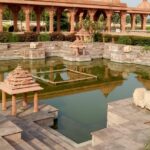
{"type": "Point", "coordinates": [128, 128]}
{"type": "Point", "coordinates": [8, 129]}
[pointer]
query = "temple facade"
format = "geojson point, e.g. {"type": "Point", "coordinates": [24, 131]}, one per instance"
{"type": "Point", "coordinates": [76, 11]}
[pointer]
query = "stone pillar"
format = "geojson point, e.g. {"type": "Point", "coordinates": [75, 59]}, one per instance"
{"type": "Point", "coordinates": [1, 17]}
{"type": "Point", "coordinates": [15, 10]}
{"type": "Point", "coordinates": [91, 13]}
{"type": "Point", "coordinates": [59, 12]}
{"type": "Point", "coordinates": [123, 21]}
{"type": "Point", "coordinates": [72, 21]}
{"type": "Point", "coordinates": [36, 102]}
{"type": "Point", "coordinates": [144, 21]}
{"type": "Point", "coordinates": [25, 100]}
{"type": "Point", "coordinates": [51, 11]}
{"type": "Point", "coordinates": [15, 17]}
{"type": "Point", "coordinates": [14, 107]}
{"type": "Point", "coordinates": [38, 12]}
{"type": "Point", "coordinates": [38, 22]}
{"type": "Point", "coordinates": [3, 101]}
{"type": "Point", "coordinates": [1, 77]}
{"type": "Point", "coordinates": [133, 21]}
{"type": "Point", "coordinates": [108, 22]}
{"type": "Point", "coordinates": [27, 10]}
{"type": "Point", "coordinates": [81, 19]}
{"type": "Point", "coordinates": [68, 16]}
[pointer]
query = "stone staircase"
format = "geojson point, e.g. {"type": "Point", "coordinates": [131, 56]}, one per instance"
{"type": "Point", "coordinates": [19, 144]}
{"type": "Point", "coordinates": [37, 137]}
{"type": "Point", "coordinates": [8, 129]}
{"type": "Point", "coordinates": [4, 145]}
{"type": "Point", "coordinates": [33, 135]}
{"type": "Point", "coordinates": [128, 129]}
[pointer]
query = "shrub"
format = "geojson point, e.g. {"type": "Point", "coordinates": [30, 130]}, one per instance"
{"type": "Point", "coordinates": [70, 37]}
{"type": "Point", "coordinates": [148, 28]}
{"type": "Point", "coordinates": [124, 40]}
{"type": "Point", "coordinates": [5, 37]}
{"type": "Point", "coordinates": [115, 37]}
{"type": "Point", "coordinates": [108, 38]}
{"type": "Point", "coordinates": [128, 40]}
{"type": "Point", "coordinates": [14, 38]}
{"type": "Point", "coordinates": [57, 37]}
{"type": "Point", "coordinates": [97, 37]}
{"type": "Point", "coordinates": [44, 37]}
{"type": "Point", "coordinates": [28, 37]}
{"type": "Point", "coordinates": [141, 41]}
{"type": "Point", "coordinates": [6, 28]}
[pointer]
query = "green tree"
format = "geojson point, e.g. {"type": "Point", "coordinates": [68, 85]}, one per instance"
{"type": "Point", "coordinates": [128, 19]}
{"type": "Point", "coordinates": [138, 19]}
{"type": "Point", "coordinates": [94, 26]}
{"type": "Point", "coordinates": [116, 18]}
{"type": "Point", "coordinates": [7, 15]}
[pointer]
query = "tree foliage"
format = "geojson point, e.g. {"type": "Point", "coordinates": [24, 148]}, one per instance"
{"type": "Point", "coordinates": [94, 26]}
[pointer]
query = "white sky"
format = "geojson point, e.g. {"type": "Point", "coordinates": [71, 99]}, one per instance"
{"type": "Point", "coordinates": [132, 3]}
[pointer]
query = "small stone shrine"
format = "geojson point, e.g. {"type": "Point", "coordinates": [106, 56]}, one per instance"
{"type": "Point", "coordinates": [19, 81]}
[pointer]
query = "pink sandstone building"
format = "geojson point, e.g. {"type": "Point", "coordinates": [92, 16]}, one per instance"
{"type": "Point", "coordinates": [77, 10]}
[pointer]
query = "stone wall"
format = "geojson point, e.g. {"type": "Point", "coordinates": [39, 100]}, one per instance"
{"type": "Point", "coordinates": [126, 54]}
{"type": "Point", "coordinates": [114, 52]}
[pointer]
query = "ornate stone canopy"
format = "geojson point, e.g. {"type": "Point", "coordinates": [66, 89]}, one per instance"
{"type": "Point", "coordinates": [77, 44]}
{"type": "Point", "coordinates": [19, 81]}
{"type": "Point", "coordinates": [83, 32]}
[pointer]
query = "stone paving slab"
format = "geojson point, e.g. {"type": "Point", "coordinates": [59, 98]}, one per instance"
{"type": "Point", "coordinates": [132, 134]}
{"type": "Point", "coordinates": [4, 145]}
{"type": "Point", "coordinates": [8, 128]}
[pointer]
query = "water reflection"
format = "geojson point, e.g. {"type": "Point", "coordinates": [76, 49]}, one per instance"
{"type": "Point", "coordinates": [83, 105]}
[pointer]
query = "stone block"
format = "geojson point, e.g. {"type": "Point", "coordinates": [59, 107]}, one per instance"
{"type": "Point", "coordinates": [127, 49]}
{"type": "Point", "coordinates": [147, 99]}
{"type": "Point", "coordinates": [33, 45]}
{"type": "Point", "coordinates": [138, 97]}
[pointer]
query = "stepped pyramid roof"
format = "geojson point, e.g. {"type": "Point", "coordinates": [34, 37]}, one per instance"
{"type": "Point", "coordinates": [82, 32]}
{"type": "Point", "coordinates": [19, 81]}
{"type": "Point", "coordinates": [77, 44]}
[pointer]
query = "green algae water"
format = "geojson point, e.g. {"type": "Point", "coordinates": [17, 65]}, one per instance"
{"type": "Point", "coordinates": [80, 114]}
{"type": "Point", "coordinates": [83, 105]}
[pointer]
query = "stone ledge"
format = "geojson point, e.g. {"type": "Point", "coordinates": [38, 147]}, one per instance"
{"type": "Point", "coordinates": [130, 129]}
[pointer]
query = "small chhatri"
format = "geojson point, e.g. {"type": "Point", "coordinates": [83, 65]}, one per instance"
{"type": "Point", "coordinates": [19, 81]}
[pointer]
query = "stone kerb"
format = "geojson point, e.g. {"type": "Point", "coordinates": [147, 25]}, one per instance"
{"type": "Point", "coordinates": [141, 98]}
